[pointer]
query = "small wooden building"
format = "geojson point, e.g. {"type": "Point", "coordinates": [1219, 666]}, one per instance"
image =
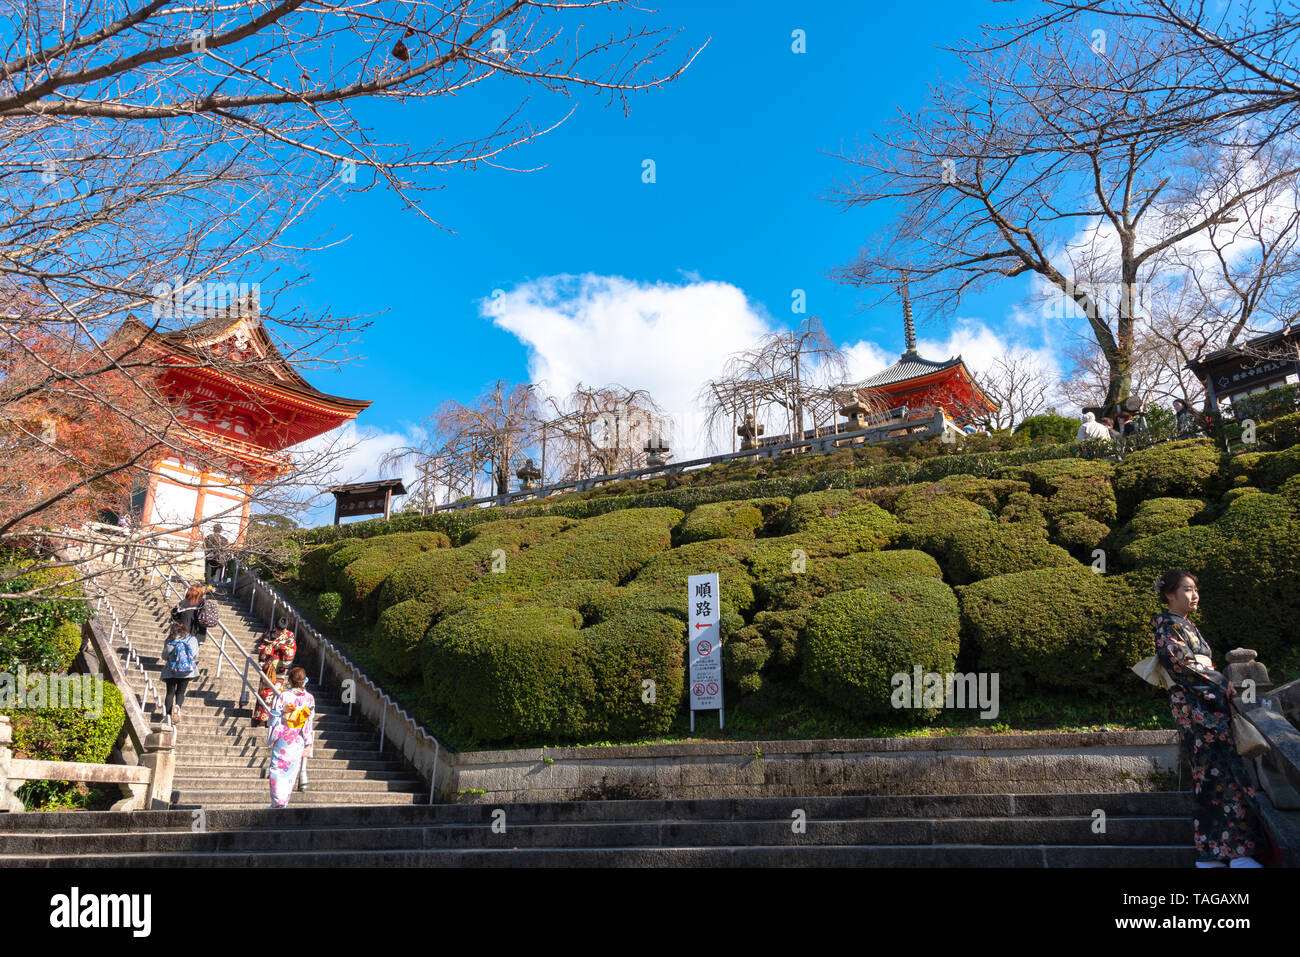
{"type": "Point", "coordinates": [1256, 365]}
{"type": "Point", "coordinates": [365, 498]}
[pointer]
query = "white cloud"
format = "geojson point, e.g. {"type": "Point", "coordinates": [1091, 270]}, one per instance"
{"type": "Point", "coordinates": [356, 454]}
{"type": "Point", "coordinates": [666, 338]}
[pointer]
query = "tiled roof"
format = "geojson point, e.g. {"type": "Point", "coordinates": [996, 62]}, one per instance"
{"type": "Point", "coordinates": [909, 366]}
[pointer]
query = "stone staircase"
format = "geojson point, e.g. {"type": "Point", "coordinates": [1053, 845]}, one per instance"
{"type": "Point", "coordinates": [1142, 829]}
{"type": "Point", "coordinates": [220, 758]}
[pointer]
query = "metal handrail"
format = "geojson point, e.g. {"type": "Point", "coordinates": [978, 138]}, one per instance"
{"type": "Point", "coordinates": [131, 654]}
{"type": "Point", "coordinates": [327, 645]}
{"type": "Point", "coordinates": [246, 686]}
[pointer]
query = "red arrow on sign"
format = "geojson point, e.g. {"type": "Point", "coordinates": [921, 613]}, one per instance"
{"type": "Point", "coordinates": [709, 625]}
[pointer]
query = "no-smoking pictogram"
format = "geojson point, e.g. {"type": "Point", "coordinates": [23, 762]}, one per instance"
{"type": "Point", "coordinates": [704, 647]}
{"type": "Point", "coordinates": [712, 687]}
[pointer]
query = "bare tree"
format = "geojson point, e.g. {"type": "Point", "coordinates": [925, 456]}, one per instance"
{"type": "Point", "coordinates": [151, 154]}
{"type": "Point", "coordinates": [1018, 172]}
{"type": "Point", "coordinates": [796, 371]}
{"type": "Point", "coordinates": [1020, 387]}
{"type": "Point", "coordinates": [1218, 67]}
{"type": "Point", "coordinates": [599, 430]}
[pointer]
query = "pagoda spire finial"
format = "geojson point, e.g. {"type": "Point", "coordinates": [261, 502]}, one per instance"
{"type": "Point", "coordinates": [909, 328]}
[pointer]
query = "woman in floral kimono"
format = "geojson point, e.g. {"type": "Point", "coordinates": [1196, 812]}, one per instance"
{"type": "Point", "coordinates": [1226, 827]}
{"type": "Point", "coordinates": [275, 653]}
{"type": "Point", "coordinates": [290, 737]}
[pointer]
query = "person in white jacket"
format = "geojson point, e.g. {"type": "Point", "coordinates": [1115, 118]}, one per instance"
{"type": "Point", "coordinates": [1091, 429]}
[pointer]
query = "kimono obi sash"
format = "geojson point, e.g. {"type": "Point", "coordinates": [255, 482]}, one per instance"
{"type": "Point", "coordinates": [1153, 672]}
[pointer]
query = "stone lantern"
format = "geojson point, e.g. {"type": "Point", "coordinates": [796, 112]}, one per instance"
{"type": "Point", "coordinates": [529, 476]}
{"type": "Point", "coordinates": [749, 432]}
{"type": "Point", "coordinates": [656, 450]}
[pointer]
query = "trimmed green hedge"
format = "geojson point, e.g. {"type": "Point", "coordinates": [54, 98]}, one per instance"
{"type": "Point", "coordinates": [529, 671]}
{"type": "Point", "coordinates": [780, 586]}
{"type": "Point", "coordinates": [856, 641]}
{"type": "Point", "coordinates": [361, 579]}
{"type": "Point", "coordinates": [978, 550]}
{"type": "Point", "coordinates": [1080, 534]}
{"type": "Point", "coordinates": [1155, 516]}
{"type": "Point", "coordinates": [1266, 469]}
{"type": "Point", "coordinates": [1282, 432]}
{"type": "Point", "coordinates": [329, 604]}
{"type": "Point", "coordinates": [506, 673]}
{"type": "Point", "coordinates": [1248, 563]}
{"type": "Point", "coordinates": [744, 518]}
{"type": "Point", "coordinates": [1186, 469]}
{"type": "Point", "coordinates": [1056, 628]}
{"type": "Point", "coordinates": [66, 734]}
{"type": "Point", "coordinates": [1074, 485]}
{"type": "Point", "coordinates": [840, 521]}
{"type": "Point", "coordinates": [623, 654]}
{"type": "Point", "coordinates": [398, 635]}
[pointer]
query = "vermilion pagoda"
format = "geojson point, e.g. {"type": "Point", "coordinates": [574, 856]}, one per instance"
{"type": "Point", "coordinates": [239, 398]}
{"type": "Point", "coordinates": [915, 382]}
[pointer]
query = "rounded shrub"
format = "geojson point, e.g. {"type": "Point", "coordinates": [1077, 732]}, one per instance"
{"type": "Point", "coordinates": [66, 734]}
{"type": "Point", "coordinates": [67, 645]}
{"type": "Point", "coordinates": [435, 572]}
{"type": "Point", "coordinates": [329, 604]}
{"type": "Point", "coordinates": [1053, 428]}
{"type": "Point", "coordinates": [669, 570]}
{"type": "Point", "coordinates": [1266, 469]}
{"type": "Point", "coordinates": [622, 655]}
{"type": "Point", "coordinates": [978, 550]}
{"type": "Point", "coordinates": [840, 521]}
{"type": "Point", "coordinates": [510, 673]}
{"type": "Point", "coordinates": [1074, 485]}
{"type": "Point", "coordinates": [611, 547]}
{"type": "Point", "coordinates": [1282, 432]}
{"type": "Point", "coordinates": [1158, 515]}
{"type": "Point", "coordinates": [785, 587]}
{"type": "Point", "coordinates": [1080, 534]}
{"type": "Point", "coordinates": [311, 564]}
{"type": "Point", "coordinates": [740, 519]}
{"type": "Point", "coordinates": [1024, 508]}
{"type": "Point", "coordinates": [1185, 469]}
{"type": "Point", "coordinates": [856, 641]}
{"type": "Point", "coordinates": [1050, 628]}
{"type": "Point", "coordinates": [398, 635]}
{"type": "Point", "coordinates": [989, 493]}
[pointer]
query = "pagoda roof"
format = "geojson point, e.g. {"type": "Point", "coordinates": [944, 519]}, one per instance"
{"type": "Point", "coordinates": [265, 363]}
{"type": "Point", "coordinates": [909, 366]}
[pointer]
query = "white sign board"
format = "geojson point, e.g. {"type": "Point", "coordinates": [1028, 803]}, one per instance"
{"type": "Point", "coordinates": [703, 605]}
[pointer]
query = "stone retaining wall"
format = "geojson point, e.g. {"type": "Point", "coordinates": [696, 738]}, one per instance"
{"type": "Point", "coordinates": [983, 764]}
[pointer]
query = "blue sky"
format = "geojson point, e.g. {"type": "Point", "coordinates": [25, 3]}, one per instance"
{"type": "Point", "coordinates": [735, 218]}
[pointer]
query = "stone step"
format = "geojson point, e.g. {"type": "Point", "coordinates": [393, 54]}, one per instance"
{"type": "Point", "coordinates": [1151, 804]}
{"type": "Point", "coordinates": [201, 749]}
{"type": "Point", "coordinates": [1056, 832]}
{"type": "Point", "coordinates": [777, 856]}
{"type": "Point", "coordinates": [189, 764]}
{"type": "Point", "coordinates": [322, 778]}
{"type": "Point", "coordinates": [260, 796]}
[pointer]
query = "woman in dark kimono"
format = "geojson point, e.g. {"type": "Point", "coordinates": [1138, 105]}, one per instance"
{"type": "Point", "coordinates": [1226, 827]}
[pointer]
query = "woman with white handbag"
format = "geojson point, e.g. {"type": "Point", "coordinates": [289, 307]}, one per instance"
{"type": "Point", "coordinates": [1226, 828]}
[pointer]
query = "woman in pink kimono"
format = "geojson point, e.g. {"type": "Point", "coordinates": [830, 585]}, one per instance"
{"type": "Point", "coordinates": [290, 736]}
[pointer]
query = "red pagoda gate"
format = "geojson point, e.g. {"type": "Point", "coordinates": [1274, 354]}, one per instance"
{"type": "Point", "coordinates": [241, 405]}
